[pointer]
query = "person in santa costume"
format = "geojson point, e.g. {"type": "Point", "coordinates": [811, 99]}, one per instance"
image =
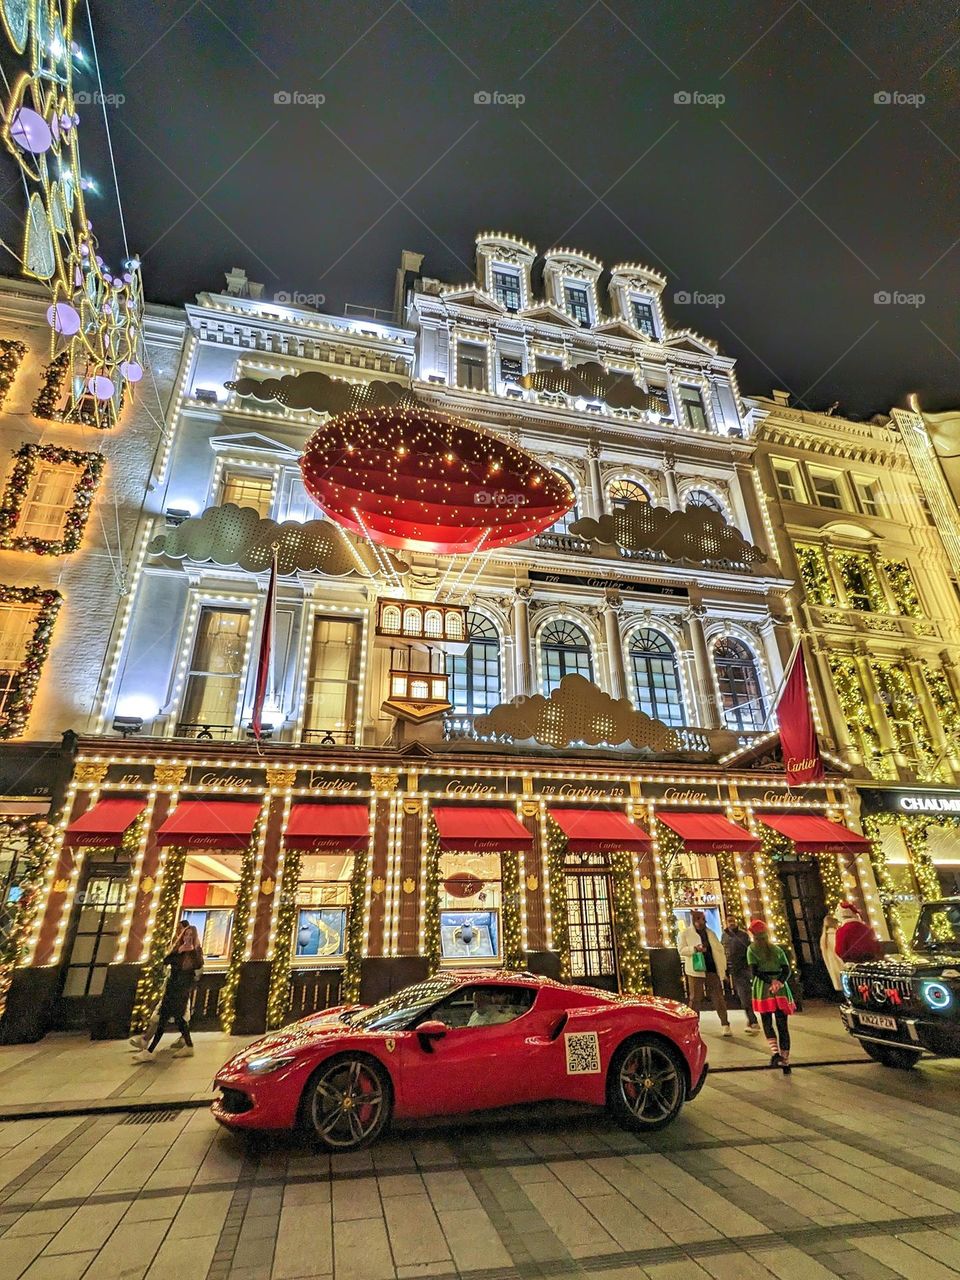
{"type": "Point", "coordinates": [855, 939]}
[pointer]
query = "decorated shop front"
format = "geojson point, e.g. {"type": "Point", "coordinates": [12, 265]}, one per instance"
{"type": "Point", "coordinates": [915, 837]}
{"type": "Point", "coordinates": [345, 874]}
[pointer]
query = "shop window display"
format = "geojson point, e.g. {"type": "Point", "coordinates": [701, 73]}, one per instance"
{"type": "Point", "coordinates": [210, 886]}
{"type": "Point", "coordinates": [470, 894]}
{"type": "Point", "coordinates": [323, 905]}
{"type": "Point", "coordinates": [697, 887]}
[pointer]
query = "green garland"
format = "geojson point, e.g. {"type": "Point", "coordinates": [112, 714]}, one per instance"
{"type": "Point", "coordinates": [730, 886]}
{"type": "Point", "coordinates": [815, 575]}
{"type": "Point", "coordinates": [513, 955]}
{"type": "Point", "coordinates": [856, 712]}
{"type": "Point", "coordinates": [859, 576]}
{"type": "Point", "coordinates": [901, 584]}
{"type": "Point", "coordinates": [278, 999]}
{"type": "Point", "coordinates": [914, 827]}
{"type": "Point", "coordinates": [632, 955]}
{"type": "Point", "coordinates": [773, 848]}
{"type": "Point", "coordinates": [556, 869]}
{"type": "Point", "coordinates": [153, 974]}
{"type": "Point", "coordinates": [673, 877]}
{"type": "Point", "coordinates": [16, 711]}
{"type": "Point", "coordinates": [350, 992]}
{"type": "Point", "coordinates": [12, 352]}
{"type": "Point", "coordinates": [945, 705]}
{"type": "Point", "coordinates": [91, 465]}
{"type": "Point", "coordinates": [227, 1005]}
{"type": "Point", "coordinates": [903, 705]}
{"type": "Point", "coordinates": [873, 825]}
{"type": "Point", "coordinates": [32, 866]}
{"type": "Point", "coordinates": [431, 902]}
{"type": "Point", "coordinates": [50, 394]}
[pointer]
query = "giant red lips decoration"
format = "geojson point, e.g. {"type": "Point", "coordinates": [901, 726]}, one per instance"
{"type": "Point", "coordinates": [414, 479]}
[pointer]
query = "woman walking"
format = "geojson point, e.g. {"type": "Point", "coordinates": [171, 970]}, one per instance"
{"type": "Point", "coordinates": [185, 961]}
{"type": "Point", "coordinates": [772, 997]}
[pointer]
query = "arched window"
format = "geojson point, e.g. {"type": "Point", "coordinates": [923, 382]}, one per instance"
{"type": "Point", "coordinates": [475, 674]}
{"type": "Point", "coordinates": [702, 498]}
{"type": "Point", "coordinates": [656, 679]}
{"type": "Point", "coordinates": [565, 650]}
{"type": "Point", "coordinates": [739, 683]}
{"type": "Point", "coordinates": [570, 517]}
{"type": "Point", "coordinates": [412, 621]}
{"type": "Point", "coordinates": [433, 624]}
{"type": "Point", "coordinates": [390, 619]}
{"type": "Point", "coordinates": [623, 491]}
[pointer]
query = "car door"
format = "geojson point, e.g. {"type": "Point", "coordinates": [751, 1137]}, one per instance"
{"type": "Point", "coordinates": [472, 1068]}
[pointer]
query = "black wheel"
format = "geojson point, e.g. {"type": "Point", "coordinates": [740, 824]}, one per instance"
{"type": "Point", "coordinates": [347, 1102]}
{"type": "Point", "coordinates": [646, 1084]}
{"type": "Point", "coordinates": [891, 1055]}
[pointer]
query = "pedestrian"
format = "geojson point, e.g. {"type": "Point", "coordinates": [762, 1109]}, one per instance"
{"type": "Point", "coordinates": [185, 961]}
{"type": "Point", "coordinates": [736, 942]}
{"type": "Point", "coordinates": [828, 949]}
{"type": "Point", "coordinates": [705, 966]}
{"type": "Point", "coordinates": [855, 939]}
{"type": "Point", "coordinates": [772, 997]}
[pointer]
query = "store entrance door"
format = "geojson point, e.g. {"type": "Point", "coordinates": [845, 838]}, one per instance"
{"type": "Point", "coordinates": [805, 905]}
{"type": "Point", "coordinates": [593, 948]}
{"type": "Point", "coordinates": [91, 942]}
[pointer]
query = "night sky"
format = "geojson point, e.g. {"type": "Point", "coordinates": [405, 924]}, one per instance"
{"type": "Point", "coordinates": [787, 207]}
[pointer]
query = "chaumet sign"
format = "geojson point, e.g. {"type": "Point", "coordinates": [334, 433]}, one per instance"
{"type": "Point", "coordinates": [914, 803]}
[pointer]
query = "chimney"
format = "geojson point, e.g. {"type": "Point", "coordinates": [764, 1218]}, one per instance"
{"type": "Point", "coordinates": [781, 398]}
{"type": "Point", "coordinates": [410, 264]}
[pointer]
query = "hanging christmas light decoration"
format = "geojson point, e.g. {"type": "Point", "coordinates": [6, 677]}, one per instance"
{"type": "Point", "coordinates": [418, 480]}
{"type": "Point", "coordinates": [97, 312]}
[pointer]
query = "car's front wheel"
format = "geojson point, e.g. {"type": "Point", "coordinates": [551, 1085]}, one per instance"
{"type": "Point", "coordinates": [891, 1055]}
{"type": "Point", "coordinates": [646, 1084]}
{"type": "Point", "coordinates": [347, 1102]}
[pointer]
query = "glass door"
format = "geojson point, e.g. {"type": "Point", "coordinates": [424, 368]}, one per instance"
{"type": "Point", "coordinates": [95, 928]}
{"type": "Point", "coordinates": [805, 906]}
{"type": "Point", "coordinates": [593, 956]}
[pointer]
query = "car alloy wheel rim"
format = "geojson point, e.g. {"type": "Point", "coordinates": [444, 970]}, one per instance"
{"type": "Point", "coordinates": [347, 1104]}
{"type": "Point", "coordinates": [649, 1083]}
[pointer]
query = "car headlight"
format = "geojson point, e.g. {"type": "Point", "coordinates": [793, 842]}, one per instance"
{"type": "Point", "coordinates": [263, 1066]}
{"type": "Point", "coordinates": [937, 995]}
{"type": "Point", "coordinates": [847, 984]}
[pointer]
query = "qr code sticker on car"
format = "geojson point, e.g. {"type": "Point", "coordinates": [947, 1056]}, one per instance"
{"type": "Point", "coordinates": [583, 1053]}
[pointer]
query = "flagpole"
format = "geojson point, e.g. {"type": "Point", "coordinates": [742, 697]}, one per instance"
{"type": "Point", "coordinates": [783, 680]}
{"type": "Point", "coordinates": [265, 655]}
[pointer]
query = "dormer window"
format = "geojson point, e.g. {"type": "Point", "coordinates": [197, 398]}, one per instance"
{"type": "Point", "coordinates": [692, 408]}
{"type": "Point", "coordinates": [578, 303]}
{"type": "Point", "coordinates": [506, 288]}
{"type": "Point", "coordinates": [643, 317]}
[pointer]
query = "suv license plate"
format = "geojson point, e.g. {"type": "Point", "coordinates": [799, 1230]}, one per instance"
{"type": "Point", "coordinates": [879, 1020]}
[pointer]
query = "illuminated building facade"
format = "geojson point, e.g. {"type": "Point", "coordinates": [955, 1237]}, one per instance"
{"type": "Point", "coordinates": [524, 756]}
{"type": "Point", "coordinates": [867, 527]}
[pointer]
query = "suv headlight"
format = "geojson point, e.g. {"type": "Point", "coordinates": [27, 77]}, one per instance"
{"type": "Point", "coordinates": [847, 984]}
{"type": "Point", "coordinates": [263, 1066]}
{"type": "Point", "coordinates": [937, 995]}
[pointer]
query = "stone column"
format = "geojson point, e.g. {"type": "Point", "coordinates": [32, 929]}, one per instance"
{"type": "Point", "coordinates": [934, 726]}
{"type": "Point", "coordinates": [751, 505]}
{"type": "Point", "coordinates": [878, 706]}
{"type": "Point", "coordinates": [670, 479]}
{"type": "Point", "coordinates": [594, 478]}
{"type": "Point", "coordinates": [951, 674]}
{"type": "Point", "coordinates": [705, 688]}
{"type": "Point", "coordinates": [524, 677]}
{"type": "Point", "coordinates": [612, 606]}
{"type": "Point", "coordinates": [822, 679]}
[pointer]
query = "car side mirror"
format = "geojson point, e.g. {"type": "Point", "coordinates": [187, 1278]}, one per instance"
{"type": "Point", "coordinates": [429, 1031]}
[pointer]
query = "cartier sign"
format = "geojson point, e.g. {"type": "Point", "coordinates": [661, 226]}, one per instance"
{"type": "Point", "coordinates": [595, 790]}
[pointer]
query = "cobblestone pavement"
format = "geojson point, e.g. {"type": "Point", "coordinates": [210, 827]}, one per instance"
{"type": "Point", "coordinates": [847, 1171]}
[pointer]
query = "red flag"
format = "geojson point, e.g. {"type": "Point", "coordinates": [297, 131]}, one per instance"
{"type": "Point", "coordinates": [798, 734]}
{"type": "Point", "coordinates": [266, 647]}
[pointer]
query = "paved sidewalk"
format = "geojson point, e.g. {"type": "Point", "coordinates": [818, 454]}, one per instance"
{"type": "Point", "coordinates": [72, 1072]}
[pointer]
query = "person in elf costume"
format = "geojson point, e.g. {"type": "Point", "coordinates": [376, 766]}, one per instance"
{"type": "Point", "coordinates": [855, 939]}
{"type": "Point", "coordinates": [772, 997]}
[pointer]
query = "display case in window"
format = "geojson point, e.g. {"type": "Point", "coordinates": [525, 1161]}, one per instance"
{"type": "Point", "coordinates": [469, 936]}
{"type": "Point", "coordinates": [215, 927]}
{"type": "Point", "coordinates": [320, 934]}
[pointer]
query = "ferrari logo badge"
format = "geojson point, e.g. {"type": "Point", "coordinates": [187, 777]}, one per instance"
{"type": "Point", "coordinates": [391, 1045]}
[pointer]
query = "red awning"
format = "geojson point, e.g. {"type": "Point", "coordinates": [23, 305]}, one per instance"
{"type": "Point", "coordinates": [315, 828]}
{"type": "Point", "coordinates": [210, 824]}
{"type": "Point", "coordinates": [103, 825]}
{"type": "Point", "coordinates": [812, 833]}
{"type": "Point", "coordinates": [710, 832]}
{"type": "Point", "coordinates": [467, 829]}
{"type": "Point", "coordinates": [600, 831]}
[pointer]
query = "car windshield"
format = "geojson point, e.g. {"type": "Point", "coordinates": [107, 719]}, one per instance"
{"type": "Point", "coordinates": [402, 1008]}
{"type": "Point", "coordinates": [938, 927]}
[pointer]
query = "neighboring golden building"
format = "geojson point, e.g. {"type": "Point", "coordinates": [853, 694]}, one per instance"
{"type": "Point", "coordinates": [863, 523]}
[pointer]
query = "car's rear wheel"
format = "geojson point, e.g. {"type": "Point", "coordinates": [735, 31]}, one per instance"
{"type": "Point", "coordinates": [646, 1084]}
{"type": "Point", "coordinates": [347, 1102]}
{"type": "Point", "coordinates": [891, 1055]}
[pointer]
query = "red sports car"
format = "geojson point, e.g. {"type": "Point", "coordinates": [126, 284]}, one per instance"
{"type": "Point", "coordinates": [466, 1041]}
